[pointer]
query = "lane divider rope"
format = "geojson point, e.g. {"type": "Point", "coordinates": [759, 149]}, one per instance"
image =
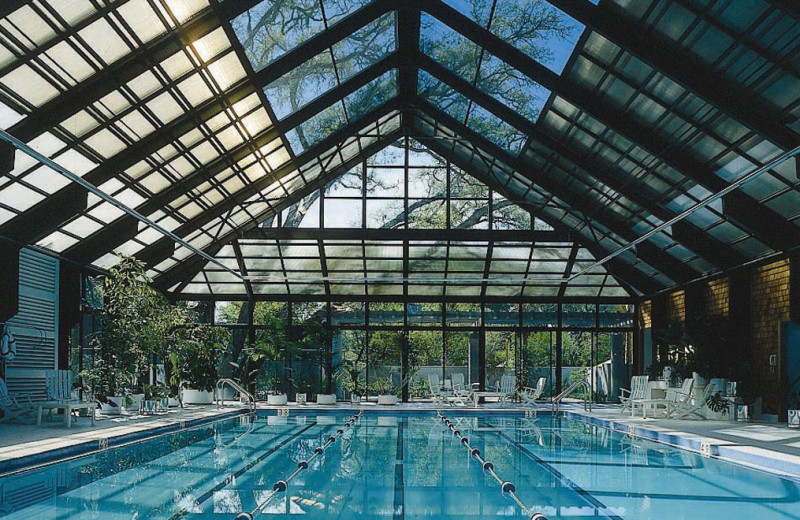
{"type": "Point", "coordinates": [507, 488]}
{"type": "Point", "coordinates": [282, 485]}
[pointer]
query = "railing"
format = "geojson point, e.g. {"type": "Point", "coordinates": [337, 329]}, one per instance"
{"type": "Point", "coordinates": [237, 388]}
{"type": "Point", "coordinates": [570, 390]}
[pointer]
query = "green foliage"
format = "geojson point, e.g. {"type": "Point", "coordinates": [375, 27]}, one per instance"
{"type": "Point", "coordinates": [716, 403]}
{"type": "Point", "coordinates": [195, 355]}
{"type": "Point", "coordinates": [137, 323]}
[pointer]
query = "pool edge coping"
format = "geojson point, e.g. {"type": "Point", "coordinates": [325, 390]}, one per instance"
{"type": "Point", "coordinates": [97, 445]}
{"type": "Point", "coordinates": [766, 460]}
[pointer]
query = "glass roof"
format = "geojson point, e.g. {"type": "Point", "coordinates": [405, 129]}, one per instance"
{"type": "Point", "coordinates": [401, 192]}
{"type": "Point", "coordinates": [214, 117]}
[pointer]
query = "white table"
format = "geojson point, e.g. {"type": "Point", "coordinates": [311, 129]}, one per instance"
{"type": "Point", "coordinates": [67, 406]}
{"type": "Point", "coordinates": [476, 396]}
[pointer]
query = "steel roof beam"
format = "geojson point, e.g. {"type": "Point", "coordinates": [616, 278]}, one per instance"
{"type": "Point", "coordinates": [648, 252]}
{"type": "Point", "coordinates": [408, 32]}
{"type": "Point", "coordinates": [593, 104]}
{"type": "Point", "coordinates": [533, 132]}
{"type": "Point", "coordinates": [681, 66]}
{"type": "Point", "coordinates": [706, 246]}
{"type": "Point", "coordinates": [196, 263]}
{"type": "Point", "coordinates": [358, 234]}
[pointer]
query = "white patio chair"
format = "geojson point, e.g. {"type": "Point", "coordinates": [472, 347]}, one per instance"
{"type": "Point", "coordinates": [687, 407]}
{"type": "Point", "coordinates": [438, 393]}
{"type": "Point", "coordinates": [530, 396]}
{"type": "Point", "coordinates": [60, 388]}
{"type": "Point", "coordinates": [674, 397]}
{"type": "Point", "coordinates": [16, 407]}
{"type": "Point", "coordinates": [507, 387]}
{"type": "Point", "coordinates": [462, 394]}
{"type": "Point", "coordinates": [638, 391]}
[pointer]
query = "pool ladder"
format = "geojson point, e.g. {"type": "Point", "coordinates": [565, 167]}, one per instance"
{"type": "Point", "coordinates": [237, 388]}
{"type": "Point", "coordinates": [569, 391]}
{"type": "Point", "coordinates": [506, 487]}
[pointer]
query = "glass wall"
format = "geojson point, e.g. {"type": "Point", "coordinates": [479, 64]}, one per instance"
{"type": "Point", "coordinates": [384, 347]}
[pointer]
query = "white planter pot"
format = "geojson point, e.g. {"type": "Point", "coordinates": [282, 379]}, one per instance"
{"type": "Point", "coordinates": [326, 398]}
{"type": "Point", "coordinates": [173, 402]}
{"type": "Point", "coordinates": [794, 418]}
{"type": "Point", "coordinates": [135, 403]}
{"type": "Point", "coordinates": [277, 400]}
{"type": "Point", "coordinates": [112, 410]}
{"type": "Point", "coordinates": [192, 396]}
{"type": "Point", "coordinates": [387, 400]}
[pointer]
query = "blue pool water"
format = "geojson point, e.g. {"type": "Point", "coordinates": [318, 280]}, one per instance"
{"type": "Point", "coordinates": [396, 467]}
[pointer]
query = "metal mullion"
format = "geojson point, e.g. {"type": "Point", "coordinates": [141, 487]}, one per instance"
{"type": "Point", "coordinates": [665, 263]}
{"type": "Point", "coordinates": [624, 271]}
{"type": "Point", "coordinates": [584, 99]}
{"type": "Point", "coordinates": [339, 92]}
{"type": "Point", "coordinates": [682, 67]}
{"type": "Point", "coordinates": [243, 228]}
{"type": "Point", "coordinates": [61, 35]}
{"type": "Point", "coordinates": [320, 42]}
{"type": "Point", "coordinates": [113, 77]}
{"type": "Point", "coordinates": [248, 191]}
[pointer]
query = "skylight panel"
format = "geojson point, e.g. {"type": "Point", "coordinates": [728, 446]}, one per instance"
{"type": "Point", "coordinates": [449, 48]}
{"type": "Point", "coordinates": [314, 130]}
{"type": "Point", "coordinates": [365, 47]}
{"type": "Point", "coordinates": [268, 31]}
{"type": "Point", "coordinates": [302, 85]}
{"type": "Point", "coordinates": [371, 95]}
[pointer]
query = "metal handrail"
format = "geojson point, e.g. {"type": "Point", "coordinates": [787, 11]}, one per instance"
{"type": "Point", "coordinates": [570, 389]}
{"type": "Point", "coordinates": [236, 387]}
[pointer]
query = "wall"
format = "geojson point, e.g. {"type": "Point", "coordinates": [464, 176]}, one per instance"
{"type": "Point", "coordinates": [35, 326]}
{"type": "Point", "coordinates": [757, 301]}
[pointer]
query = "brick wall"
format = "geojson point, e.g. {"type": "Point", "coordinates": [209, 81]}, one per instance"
{"type": "Point", "coordinates": [769, 307]}
{"type": "Point", "coordinates": [646, 314]}
{"type": "Point", "coordinates": [716, 298]}
{"type": "Point", "coordinates": [676, 307]}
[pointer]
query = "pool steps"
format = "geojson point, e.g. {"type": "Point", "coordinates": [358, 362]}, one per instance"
{"type": "Point", "coordinates": [506, 487]}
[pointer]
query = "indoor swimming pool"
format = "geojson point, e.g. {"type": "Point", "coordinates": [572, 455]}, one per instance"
{"type": "Point", "coordinates": [398, 466]}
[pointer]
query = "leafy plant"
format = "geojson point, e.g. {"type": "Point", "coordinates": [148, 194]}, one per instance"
{"type": "Point", "coordinates": [195, 356]}
{"type": "Point", "coordinates": [716, 403]}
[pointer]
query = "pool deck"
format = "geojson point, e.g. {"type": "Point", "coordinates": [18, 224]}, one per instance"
{"type": "Point", "coordinates": [771, 447]}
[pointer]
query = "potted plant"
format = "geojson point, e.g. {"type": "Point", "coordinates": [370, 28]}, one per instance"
{"type": "Point", "coordinates": [717, 405]}
{"type": "Point", "coordinates": [385, 389]}
{"type": "Point", "coordinates": [268, 353]}
{"type": "Point", "coordinates": [195, 357]}
{"type": "Point", "coordinates": [791, 398]}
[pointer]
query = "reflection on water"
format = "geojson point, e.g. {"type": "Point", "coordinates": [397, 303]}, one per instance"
{"type": "Point", "coordinates": [396, 467]}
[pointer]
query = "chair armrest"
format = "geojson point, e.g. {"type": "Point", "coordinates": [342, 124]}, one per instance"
{"type": "Point", "coordinates": [27, 397]}
{"type": "Point", "coordinates": [625, 391]}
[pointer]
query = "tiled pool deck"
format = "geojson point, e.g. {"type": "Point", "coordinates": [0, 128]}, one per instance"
{"type": "Point", "coordinates": [772, 447]}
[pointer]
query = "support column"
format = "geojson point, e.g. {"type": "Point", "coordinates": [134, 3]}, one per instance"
{"type": "Point", "coordinates": [404, 369]}
{"type": "Point", "coordinates": [9, 280]}
{"type": "Point", "coordinates": [69, 310]}
{"type": "Point", "coordinates": [559, 352]}
{"type": "Point", "coordinates": [618, 369]}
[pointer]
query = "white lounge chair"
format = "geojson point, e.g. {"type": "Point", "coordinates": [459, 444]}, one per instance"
{"type": "Point", "coordinates": [60, 391]}
{"type": "Point", "coordinates": [17, 407]}
{"type": "Point", "coordinates": [687, 407]}
{"type": "Point", "coordinates": [437, 390]}
{"type": "Point", "coordinates": [638, 391]}
{"type": "Point", "coordinates": [462, 394]}
{"type": "Point", "coordinates": [674, 397]}
{"type": "Point", "coordinates": [508, 387]}
{"type": "Point", "coordinates": [530, 396]}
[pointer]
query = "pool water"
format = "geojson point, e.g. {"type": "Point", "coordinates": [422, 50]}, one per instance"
{"type": "Point", "coordinates": [398, 467]}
